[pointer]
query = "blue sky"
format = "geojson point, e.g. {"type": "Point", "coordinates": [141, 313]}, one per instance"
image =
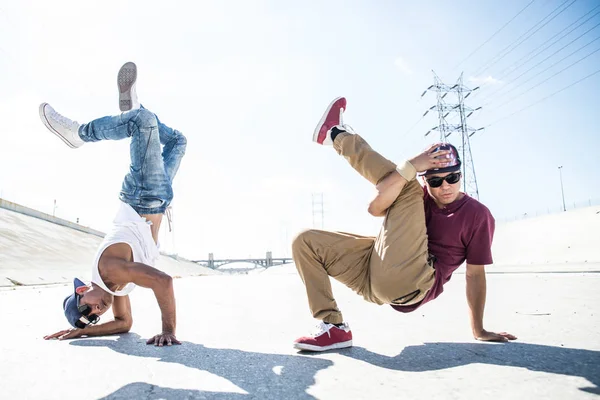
{"type": "Point", "coordinates": [247, 81]}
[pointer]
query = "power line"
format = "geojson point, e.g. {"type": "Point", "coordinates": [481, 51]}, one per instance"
{"type": "Point", "coordinates": [403, 135]}
{"type": "Point", "coordinates": [539, 52]}
{"type": "Point", "coordinates": [543, 99]}
{"type": "Point", "coordinates": [552, 65]}
{"type": "Point", "coordinates": [503, 53]}
{"type": "Point", "coordinates": [547, 79]}
{"type": "Point", "coordinates": [511, 47]}
{"type": "Point", "coordinates": [532, 55]}
{"type": "Point", "coordinates": [412, 127]}
{"type": "Point", "coordinates": [495, 33]}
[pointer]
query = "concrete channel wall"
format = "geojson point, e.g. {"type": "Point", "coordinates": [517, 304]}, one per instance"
{"type": "Point", "coordinates": [570, 237]}
{"type": "Point", "coordinates": [8, 205]}
{"type": "Point", "coordinates": [38, 249]}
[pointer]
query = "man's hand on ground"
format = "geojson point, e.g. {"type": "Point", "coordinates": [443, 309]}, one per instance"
{"type": "Point", "coordinates": [65, 334]}
{"type": "Point", "coordinates": [163, 339]}
{"type": "Point", "coordinates": [486, 336]}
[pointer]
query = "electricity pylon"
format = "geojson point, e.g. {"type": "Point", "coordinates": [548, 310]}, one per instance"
{"type": "Point", "coordinates": [456, 107]}
{"type": "Point", "coordinates": [318, 210]}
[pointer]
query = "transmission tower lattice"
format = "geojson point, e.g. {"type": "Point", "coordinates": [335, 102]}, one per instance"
{"type": "Point", "coordinates": [456, 107]}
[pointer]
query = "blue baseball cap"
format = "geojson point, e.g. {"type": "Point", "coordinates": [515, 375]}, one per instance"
{"type": "Point", "coordinates": [71, 307]}
{"type": "Point", "coordinates": [453, 158]}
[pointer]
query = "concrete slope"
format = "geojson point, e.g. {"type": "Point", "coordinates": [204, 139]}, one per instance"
{"type": "Point", "coordinates": [569, 237]}
{"type": "Point", "coordinates": [34, 251]}
{"type": "Point", "coordinates": [564, 242]}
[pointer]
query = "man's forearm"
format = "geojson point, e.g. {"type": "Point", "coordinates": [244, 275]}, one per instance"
{"type": "Point", "coordinates": [476, 293]}
{"type": "Point", "coordinates": [161, 284]}
{"type": "Point", "coordinates": [165, 296]}
{"type": "Point", "coordinates": [107, 328]}
{"type": "Point", "coordinates": [387, 192]}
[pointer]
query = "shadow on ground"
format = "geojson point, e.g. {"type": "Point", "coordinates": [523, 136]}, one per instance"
{"type": "Point", "coordinates": [265, 376]}
{"type": "Point", "coordinates": [534, 357]}
{"type": "Point", "coordinates": [146, 391]}
{"type": "Point", "coordinates": [276, 376]}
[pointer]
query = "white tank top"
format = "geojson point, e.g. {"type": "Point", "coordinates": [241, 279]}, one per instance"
{"type": "Point", "coordinates": [130, 228]}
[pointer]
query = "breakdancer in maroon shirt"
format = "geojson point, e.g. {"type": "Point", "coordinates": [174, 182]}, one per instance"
{"type": "Point", "coordinates": [427, 233]}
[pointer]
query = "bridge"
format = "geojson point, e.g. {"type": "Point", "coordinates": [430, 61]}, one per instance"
{"type": "Point", "coordinates": [266, 262]}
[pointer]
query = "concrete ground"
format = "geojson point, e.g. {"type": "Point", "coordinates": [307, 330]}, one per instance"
{"type": "Point", "coordinates": [237, 333]}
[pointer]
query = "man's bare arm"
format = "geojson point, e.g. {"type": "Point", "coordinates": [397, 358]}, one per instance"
{"type": "Point", "coordinates": [476, 295]}
{"type": "Point", "coordinates": [122, 271]}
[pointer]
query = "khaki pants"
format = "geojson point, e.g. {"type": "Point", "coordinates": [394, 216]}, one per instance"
{"type": "Point", "coordinates": [392, 268]}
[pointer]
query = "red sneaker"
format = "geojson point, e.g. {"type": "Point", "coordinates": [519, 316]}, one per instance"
{"type": "Point", "coordinates": [328, 337]}
{"type": "Point", "coordinates": [331, 118]}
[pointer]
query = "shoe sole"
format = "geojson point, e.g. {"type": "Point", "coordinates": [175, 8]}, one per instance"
{"type": "Point", "coordinates": [322, 121]}
{"type": "Point", "coordinates": [310, 347]}
{"type": "Point", "coordinates": [125, 80]}
{"type": "Point", "coordinates": [50, 128]}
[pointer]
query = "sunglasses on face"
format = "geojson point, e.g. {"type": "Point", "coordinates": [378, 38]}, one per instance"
{"type": "Point", "coordinates": [437, 181]}
{"type": "Point", "coordinates": [86, 318]}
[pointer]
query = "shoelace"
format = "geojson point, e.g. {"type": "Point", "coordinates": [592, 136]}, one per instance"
{"type": "Point", "coordinates": [168, 212]}
{"type": "Point", "coordinates": [321, 328]}
{"type": "Point", "coordinates": [348, 128]}
{"type": "Point", "coordinates": [64, 121]}
{"type": "Point", "coordinates": [345, 127]}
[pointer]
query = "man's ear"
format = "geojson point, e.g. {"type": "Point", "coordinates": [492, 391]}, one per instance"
{"type": "Point", "coordinates": [81, 290]}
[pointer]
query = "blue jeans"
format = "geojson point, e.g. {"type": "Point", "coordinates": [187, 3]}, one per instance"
{"type": "Point", "coordinates": [147, 188]}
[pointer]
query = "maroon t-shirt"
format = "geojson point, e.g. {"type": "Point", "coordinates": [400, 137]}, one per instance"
{"type": "Point", "coordinates": [463, 230]}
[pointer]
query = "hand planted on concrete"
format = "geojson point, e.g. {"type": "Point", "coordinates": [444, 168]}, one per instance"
{"type": "Point", "coordinates": [162, 339]}
{"type": "Point", "coordinates": [486, 336]}
{"type": "Point", "coordinates": [65, 334]}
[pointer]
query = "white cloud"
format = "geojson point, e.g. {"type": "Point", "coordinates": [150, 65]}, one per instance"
{"type": "Point", "coordinates": [402, 65]}
{"type": "Point", "coordinates": [484, 80]}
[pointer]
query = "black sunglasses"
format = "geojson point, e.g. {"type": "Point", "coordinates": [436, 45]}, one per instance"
{"type": "Point", "coordinates": [87, 318]}
{"type": "Point", "coordinates": [437, 181]}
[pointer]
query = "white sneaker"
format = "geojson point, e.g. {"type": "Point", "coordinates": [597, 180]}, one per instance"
{"type": "Point", "coordinates": [126, 82]}
{"type": "Point", "coordinates": [61, 126]}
